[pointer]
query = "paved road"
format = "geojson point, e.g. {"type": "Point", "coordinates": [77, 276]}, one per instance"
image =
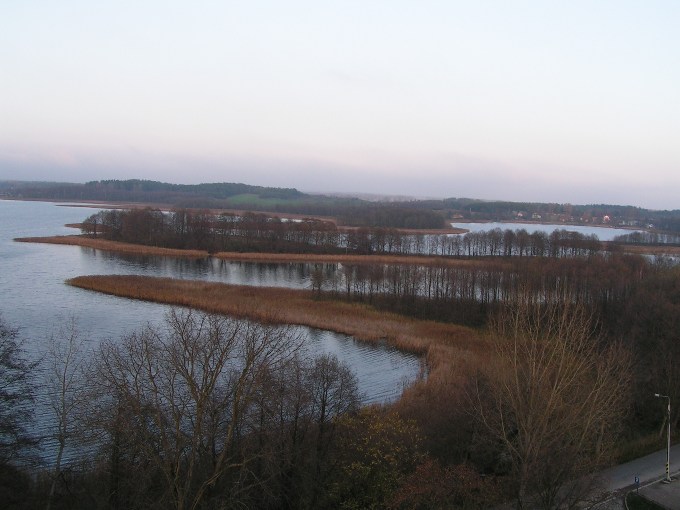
{"type": "Point", "coordinates": [616, 481]}
{"type": "Point", "coordinates": [649, 469]}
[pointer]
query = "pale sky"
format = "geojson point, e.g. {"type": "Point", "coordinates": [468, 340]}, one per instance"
{"type": "Point", "coordinates": [560, 101]}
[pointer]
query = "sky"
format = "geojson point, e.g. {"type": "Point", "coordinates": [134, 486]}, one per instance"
{"type": "Point", "coordinates": [553, 101]}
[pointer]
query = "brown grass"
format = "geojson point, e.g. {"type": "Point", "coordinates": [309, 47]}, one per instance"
{"type": "Point", "coordinates": [436, 402]}
{"type": "Point", "coordinates": [103, 244]}
{"type": "Point", "coordinates": [439, 341]}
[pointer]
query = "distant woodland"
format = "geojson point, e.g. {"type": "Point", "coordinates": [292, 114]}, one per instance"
{"type": "Point", "coordinates": [348, 211]}
{"type": "Point", "coordinates": [389, 213]}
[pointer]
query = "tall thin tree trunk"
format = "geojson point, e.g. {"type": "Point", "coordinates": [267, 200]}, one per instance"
{"type": "Point", "coordinates": [57, 472]}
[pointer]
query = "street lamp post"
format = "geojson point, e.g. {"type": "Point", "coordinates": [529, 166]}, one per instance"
{"type": "Point", "coordinates": [668, 448]}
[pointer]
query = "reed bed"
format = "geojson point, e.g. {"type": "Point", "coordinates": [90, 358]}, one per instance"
{"type": "Point", "coordinates": [293, 306]}
{"type": "Point", "coordinates": [116, 246]}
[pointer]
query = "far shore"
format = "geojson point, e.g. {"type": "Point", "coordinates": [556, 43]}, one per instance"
{"type": "Point", "coordinates": [95, 204]}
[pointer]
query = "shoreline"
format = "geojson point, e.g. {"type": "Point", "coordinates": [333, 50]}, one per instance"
{"type": "Point", "coordinates": [114, 246]}
{"type": "Point", "coordinates": [95, 204]}
{"type": "Point", "coordinates": [424, 260]}
{"type": "Point", "coordinates": [436, 341]}
{"type": "Point", "coordinates": [139, 249]}
{"type": "Point", "coordinates": [101, 204]}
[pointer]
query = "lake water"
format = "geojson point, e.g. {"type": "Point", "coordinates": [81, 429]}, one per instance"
{"type": "Point", "coordinates": [602, 233]}
{"type": "Point", "coordinates": [36, 300]}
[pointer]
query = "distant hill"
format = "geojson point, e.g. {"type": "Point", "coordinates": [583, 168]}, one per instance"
{"type": "Point", "coordinates": [136, 190]}
{"type": "Point", "coordinates": [368, 211]}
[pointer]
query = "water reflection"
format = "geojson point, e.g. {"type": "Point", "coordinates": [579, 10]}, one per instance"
{"type": "Point", "coordinates": [289, 275]}
{"type": "Point", "coordinates": [36, 298]}
{"type": "Point", "coordinates": [603, 233]}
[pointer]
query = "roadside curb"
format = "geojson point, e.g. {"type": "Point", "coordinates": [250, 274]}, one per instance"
{"type": "Point", "coordinates": [675, 476]}
{"type": "Point", "coordinates": [624, 491]}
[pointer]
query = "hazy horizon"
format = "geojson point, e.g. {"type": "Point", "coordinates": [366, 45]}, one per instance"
{"type": "Point", "coordinates": [518, 101]}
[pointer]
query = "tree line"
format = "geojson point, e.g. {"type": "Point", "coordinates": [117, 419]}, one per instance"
{"type": "Point", "coordinates": [472, 292]}
{"type": "Point", "coordinates": [249, 231]}
{"type": "Point", "coordinates": [649, 238]}
{"type": "Point", "coordinates": [138, 190]}
{"type": "Point", "coordinates": [350, 211]}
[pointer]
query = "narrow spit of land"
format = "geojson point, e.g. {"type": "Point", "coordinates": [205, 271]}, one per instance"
{"type": "Point", "coordinates": [143, 250]}
{"type": "Point", "coordinates": [103, 244]}
{"type": "Point", "coordinates": [140, 249]}
{"type": "Point", "coordinates": [276, 305]}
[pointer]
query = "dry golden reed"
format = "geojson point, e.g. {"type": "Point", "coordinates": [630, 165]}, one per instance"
{"type": "Point", "coordinates": [116, 246]}
{"type": "Point", "coordinates": [294, 306]}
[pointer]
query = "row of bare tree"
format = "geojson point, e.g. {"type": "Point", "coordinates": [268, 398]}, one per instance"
{"type": "Point", "coordinates": [201, 229]}
{"type": "Point", "coordinates": [653, 238]}
{"type": "Point", "coordinates": [459, 292]}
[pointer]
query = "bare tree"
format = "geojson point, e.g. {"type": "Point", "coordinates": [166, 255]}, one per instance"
{"type": "Point", "coordinates": [334, 393]}
{"type": "Point", "coordinates": [293, 428]}
{"type": "Point", "coordinates": [66, 383]}
{"type": "Point", "coordinates": [16, 396]}
{"type": "Point", "coordinates": [185, 391]}
{"type": "Point", "coordinates": [552, 397]}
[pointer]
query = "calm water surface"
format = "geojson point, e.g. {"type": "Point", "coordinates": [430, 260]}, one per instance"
{"type": "Point", "coordinates": [602, 233]}
{"type": "Point", "coordinates": [36, 300]}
